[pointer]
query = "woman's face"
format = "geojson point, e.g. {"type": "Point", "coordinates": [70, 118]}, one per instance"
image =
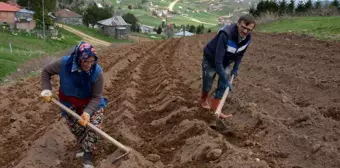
{"type": "Point", "coordinates": [86, 64]}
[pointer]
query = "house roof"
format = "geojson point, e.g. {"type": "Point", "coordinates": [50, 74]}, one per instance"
{"type": "Point", "coordinates": [99, 5]}
{"type": "Point", "coordinates": [65, 13]}
{"type": "Point", "coordinates": [147, 26]}
{"type": "Point", "coordinates": [8, 8]}
{"type": "Point", "coordinates": [114, 21]}
{"type": "Point", "coordinates": [25, 11]}
{"type": "Point", "coordinates": [186, 33]}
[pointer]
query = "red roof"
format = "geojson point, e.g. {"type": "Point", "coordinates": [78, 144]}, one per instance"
{"type": "Point", "coordinates": [8, 8]}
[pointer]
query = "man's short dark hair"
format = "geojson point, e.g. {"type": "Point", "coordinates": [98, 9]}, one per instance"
{"type": "Point", "coordinates": [248, 19]}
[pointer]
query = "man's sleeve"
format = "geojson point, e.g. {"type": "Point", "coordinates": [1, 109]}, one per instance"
{"type": "Point", "coordinates": [239, 59]}
{"type": "Point", "coordinates": [219, 56]}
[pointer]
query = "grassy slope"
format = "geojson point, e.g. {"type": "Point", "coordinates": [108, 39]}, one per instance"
{"type": "Point", "coordinates": [10, 61]}
{"type": "Point", "coordinates": [318, 26]}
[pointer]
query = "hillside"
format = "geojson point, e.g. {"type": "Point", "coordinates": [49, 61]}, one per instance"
{"type": "Point", "coordinates": [180, 12]}
{"type": "Point", "coordinates": [317, 26]}
{"type": "Point", "coordinates": [26, 47]}
{"type": "Point", "coordinates": [183, 12]}
{"type": "Point", "coordinates": [285, 106]}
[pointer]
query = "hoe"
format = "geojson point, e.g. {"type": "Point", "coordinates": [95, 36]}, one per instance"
{"type": "Point", "coordinates": [220, 125]}
{"type": "Point", "coordinates": [94, 128]}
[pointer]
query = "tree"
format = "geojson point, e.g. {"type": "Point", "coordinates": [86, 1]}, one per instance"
{"type": "Point", "coordinates": [198, 30]}
{"type": "Point", "coordinates": [318, 5]}
{"type": "Point", "coordinates": [187, 27]}
{"type": "Point", "coordinates": [163, 24]}
{"type": "Point", "coordinates": [209, 30]}
{"type": "Point", "coordinates": [335, 3]}
{"type": "Point", "coordinates": [308, 5]}
{"type": "Point", "coordinates": [159, 30]}
{"type": "Point", "coordinates": [36, 6]}
{"type": "Point", "coordinates": [93, 14]}
{"type": "Point", "coordinates": [300, 7]}
{"type": "Point", "coordinates": [291, 7]}
{"type": "Point", "coordinates": [283, 7]}
{"type": "Point", "coordinates": [260, 8]}
{"type": "Point", "coordinates": [192, 29]}
{"type": "Point", "coordinates": [133, 20]}
{"type": "Point", "coordinates": [252, 11]}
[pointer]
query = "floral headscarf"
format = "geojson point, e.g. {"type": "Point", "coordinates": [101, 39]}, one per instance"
{"type": "Point", "coordinates": [81, 52]}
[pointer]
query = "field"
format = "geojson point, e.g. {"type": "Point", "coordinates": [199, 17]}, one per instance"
{"type": "Point", "coordinates": [317, 26]}
{"type": "Point", "coordinates": [188, 11]}
{"type": "Point", "coordinates": [285, 105]}
{"type": "Point", "coordinates": [27, 47]}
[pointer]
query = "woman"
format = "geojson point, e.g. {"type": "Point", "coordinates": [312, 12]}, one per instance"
{"type": "Point", "coordinates": [81, 87]}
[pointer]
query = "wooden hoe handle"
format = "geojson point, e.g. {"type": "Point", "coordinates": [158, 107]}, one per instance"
{"type": "Point", "coordinates": [91, 126]}
{"type": "Point", "coordinates": [225, 94]}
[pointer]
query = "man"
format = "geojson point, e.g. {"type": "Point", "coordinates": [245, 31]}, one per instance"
{"type": "Point", "coordinates": [228, 46]}
{"type": "Point", "coordinates": [81, 87]}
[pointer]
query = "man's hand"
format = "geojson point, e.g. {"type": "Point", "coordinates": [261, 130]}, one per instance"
{"type": "Point", "coordinates": [85, 119]}
{"type": "Point", "coordinates": [46, 95]}
{"type": "Point", "coordinates": [234, 72]}
{"type": "Point", "coordinates": [229, 85]}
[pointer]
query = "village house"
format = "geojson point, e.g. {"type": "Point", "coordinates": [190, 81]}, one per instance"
{"type": "Point", "coordinates": [24, 20]}
{"type": "Point", "coordinates": [69, 17]}
{"type": "Point", "coordinates": [7, 14]}
{"type": "Point", "coordinates": [182, 33]}
{"type": "Point", "coordinates": [115, 26]}
{"type": "Point", "coordinates": [146, 29]}
{"type": "Point", "coordinates": [224, 20]}
{"type": "Point", "coordinates": [16, 18]}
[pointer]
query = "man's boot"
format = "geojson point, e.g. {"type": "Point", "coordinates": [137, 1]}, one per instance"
{"type": "Point", "coordinates": [204, 101]}
{"type": "Point", "coordinates": [214, 104]}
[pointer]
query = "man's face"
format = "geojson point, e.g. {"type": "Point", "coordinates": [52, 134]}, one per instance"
{"type": "Point", "coordinates": [243, 29]}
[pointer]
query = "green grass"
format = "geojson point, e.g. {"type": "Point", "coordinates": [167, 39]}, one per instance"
{"type": "Point", "coordinates": [161, 4]}
{"type": "Point", "coordinates": [150, 20]}
{"type": "Point", "coordinates": [317, 26]}
{"type": "Point", "coordinates": [97, 34]}
{"type": "Point", "coordinates": [22, 46]}
{"type": "Point", "coordinates": [180, 20]}
{"type": "Point", "coordinates": [137, 12]}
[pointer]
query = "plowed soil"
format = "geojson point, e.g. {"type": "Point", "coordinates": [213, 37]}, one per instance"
{"type": "Point", "coordinates": [285, 105]}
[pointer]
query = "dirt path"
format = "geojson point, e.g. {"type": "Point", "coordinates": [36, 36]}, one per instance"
{"type": "Point", "coordinates": [92, 40]}
{"type": "Point", "coordinates": [285, 105]}
{"type": "Point", "coordinates": [198, 21]}
{"type": "Point", "coordinates": [172, 4]}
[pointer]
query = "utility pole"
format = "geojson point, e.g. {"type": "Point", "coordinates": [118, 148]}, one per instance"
{"type": "Point", "coordinates": [183, 30]}
{"type": "Point", "coordinates": [166, 27]}
{"type": "Point", "coordinates": [43, 16]}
